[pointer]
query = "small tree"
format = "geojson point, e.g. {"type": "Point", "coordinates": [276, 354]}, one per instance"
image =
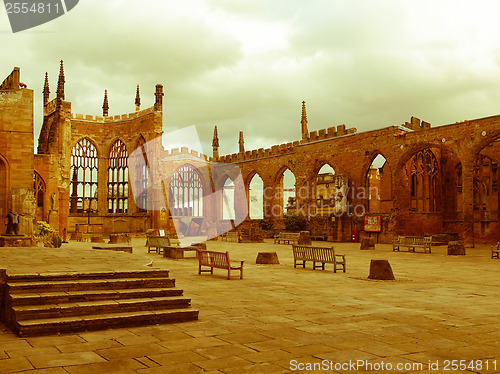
{"type": "Point", "coordinates": [294, 223]}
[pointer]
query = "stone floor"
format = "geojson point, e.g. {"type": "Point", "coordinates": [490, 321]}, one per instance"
{"type": "Point", "coordinates": [279, 319]}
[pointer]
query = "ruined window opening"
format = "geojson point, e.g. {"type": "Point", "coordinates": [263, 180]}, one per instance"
{"type": "Point", "coordinates": [141, 180]}
{"type": "Point", "coordinates": [40, 189]}
{"type": "Point", "coordinates": [84, 170]}
{"type": "Point", "coordinates": [325, 190]}
{"type": "Point", "coordinates": [378, 186]}
{"type": "Point", "coordinates": [118, 178]}
{"type": "Point", "coordinates": [256, 198]}
{"type": "Point", "coordinates": [228, 199]}
{"type": "Point", "coordinates": [287, 189]}
{"type": "Point", "coordinates": [186, 193]}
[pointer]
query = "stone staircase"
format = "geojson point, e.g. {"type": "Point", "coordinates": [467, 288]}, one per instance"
{"type": "Point", "coordinates": [39, 304]}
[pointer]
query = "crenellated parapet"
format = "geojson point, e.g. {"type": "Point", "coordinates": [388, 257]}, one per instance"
{"type": "Point", "coordinates": [184, 151]}
{"type": "Point", "coordinates": [416, 125]}
{"type": "Point", "coordinates": [331, 132]}
{"type": "Point", "coordinates": [107, 119]}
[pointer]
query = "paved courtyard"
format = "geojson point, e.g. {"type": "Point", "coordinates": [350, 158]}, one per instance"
{"type": "Point", "coordinates": [279, 319]}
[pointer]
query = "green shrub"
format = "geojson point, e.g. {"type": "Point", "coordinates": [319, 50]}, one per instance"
{"type": "Point", "coordinates": [44, 228]}
{"type": "Point", "coordinates": [265, 224]}
{"type": "Point", "coordinates": [294, 223]}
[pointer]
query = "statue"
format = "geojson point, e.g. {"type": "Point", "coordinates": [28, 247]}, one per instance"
{"type": "Point", "coordinates": [12, 223]}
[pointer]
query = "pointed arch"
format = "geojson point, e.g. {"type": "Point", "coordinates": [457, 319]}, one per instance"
{"type": "Point", "coordinates": [378, 182]}
{"type": "Point", "coordinates": [256, 197]}
{"type": "Point", "coordinates": [228, 208]}
{"type": "Point", "coordinates": [141, 177]}
{"type": "Point", "coordinates": [84, 176]}
{"type": "Point", "coordinates": [40, 189]}
{"type": "Point", "coordinates": [324, 187]}
{"type": "Point", "coordinates": [286, 190]}
{"type": "Point", "coordinates": [118, 178]}
{"type": "Point", "coordinates": [422, 171]}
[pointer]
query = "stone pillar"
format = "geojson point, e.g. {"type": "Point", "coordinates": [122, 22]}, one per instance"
{"type": "Point", "coordinates": [468, 203]}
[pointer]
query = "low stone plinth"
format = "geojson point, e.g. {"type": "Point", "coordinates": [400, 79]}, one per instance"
{"type": "Point", "coordinates": [119, 238]}
{"type": "Point", "coordinates": [304, 238]}
{"type": "Point", "coordinates": [268, 258]}
{"type": "Point", "coordinates": [15, 241]}
{"type": "Point", "coordinates": [381, 269]}
{"type": "Point", "coordinates": [456, 248]}
{"type": "Point", "coordinates": [367, 243]}
{"type": "Point", "coordinates": [96, 239]}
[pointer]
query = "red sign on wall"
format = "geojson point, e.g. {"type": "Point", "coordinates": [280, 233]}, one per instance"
{"type": "Point", "coordinates": [373, 223]}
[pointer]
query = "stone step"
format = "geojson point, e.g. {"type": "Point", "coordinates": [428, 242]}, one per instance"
{"type": "Point", "coordinates": [88, 275]}
{"type": "Point", "coordinates": [89, 295]}
{"type": "Point", "coordinates": [103, 321]}
{"type": "Point", "coordinates": [88, 284]}
{"type": "Point", "coordinates": [25, 312]}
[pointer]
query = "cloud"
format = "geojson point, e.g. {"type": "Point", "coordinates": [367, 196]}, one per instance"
{"type": "Point", "coordinates": [247, 66]}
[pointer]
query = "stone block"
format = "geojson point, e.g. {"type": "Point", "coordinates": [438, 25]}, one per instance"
{"type": "Point", "coordinates": [381, 269]}
{"type": "Point", "coordinates": [456, 248]}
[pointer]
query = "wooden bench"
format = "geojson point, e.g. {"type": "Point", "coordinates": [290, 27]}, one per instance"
{"type": "Point", "coordinates": [158, 243]}
{"type": "Point", "coordinates": [319, 235]}
{"type": "Point", "coordinates": [495, 250]}
{"type": "Point", "coordinates": [231, 236]}
{"type": "Point", "coordinates": [303, 253]}
{"type": "Point", "coordinates": [286, 237]}
{"type": "Point", "coordinates": [413, 242]}
{"type": "Point", "coordinates": [218, 260]}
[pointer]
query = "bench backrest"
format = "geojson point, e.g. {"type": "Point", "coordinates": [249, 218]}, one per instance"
{"type": "Point", "coordinates": [416, 240]}
{"type": "Point", "coordinates": [289, 235]}
{"type": "Point", "coordinates": [212, 258]}
{"type": "Point", "coordinates": [310, 253]}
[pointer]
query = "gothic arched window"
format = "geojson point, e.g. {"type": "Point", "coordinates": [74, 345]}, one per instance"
{"type": "Point", "coordinates": [84, 167]}
{"type": "Point", "coordinates": [186, 193]}
{"type": "Point", "coordinates": [118, 178]}
{"type": "Point", "coordinates": [39, 187]}
{"type": "Point", "coordinates": [423, 174]}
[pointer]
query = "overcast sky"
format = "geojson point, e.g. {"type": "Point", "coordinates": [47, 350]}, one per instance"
{"type": "Point", "coordinates": [247, 65]}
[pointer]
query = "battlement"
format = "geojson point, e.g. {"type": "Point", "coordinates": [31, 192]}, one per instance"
{"type": "Point", "coordinates": [416, 125]}
{"type": "Point", "coordinates": [12, 81]}
{"type": "Point", "coordinates": [331, 132]}
{"type": "Point", "coordinates": [275, 150]}
{"type": "Point", "coordinates": [117, 118]}
{"type": "Point", "coordinates": [173, 152]}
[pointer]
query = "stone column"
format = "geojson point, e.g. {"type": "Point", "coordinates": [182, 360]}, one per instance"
{"type": "Point", "coordinates": [468, 202]}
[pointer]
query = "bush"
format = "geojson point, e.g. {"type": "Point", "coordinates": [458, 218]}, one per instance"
{"type": "Point", "coordinates": [294, 223]}
{"type": "Point", "coordinates": [265, 224]}
{"type": "Point", "coordinates": [44, 228]}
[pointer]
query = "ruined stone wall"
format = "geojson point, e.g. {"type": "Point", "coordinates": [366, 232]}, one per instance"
{"type": "Point", "coordinates": [130, 128]}
{"type": "Point", "coordinates": [16, 152]}
{"type": "Point", "coordinates": [353, 153]}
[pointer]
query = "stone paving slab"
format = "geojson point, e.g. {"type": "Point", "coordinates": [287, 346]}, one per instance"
{"type": "Point", "coordinates": [439, 308]}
